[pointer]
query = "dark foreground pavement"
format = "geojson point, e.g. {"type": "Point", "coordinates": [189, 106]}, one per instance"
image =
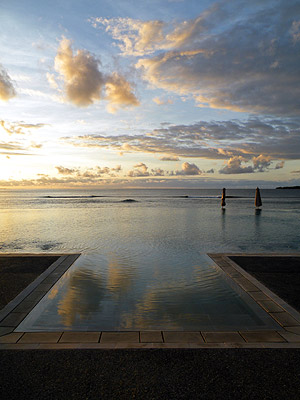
{"type": "Point", "coordinates": [151, 374]}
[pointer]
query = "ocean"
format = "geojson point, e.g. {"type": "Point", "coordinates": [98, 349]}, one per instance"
{"type": "Point", "coordinates": [179, 220]}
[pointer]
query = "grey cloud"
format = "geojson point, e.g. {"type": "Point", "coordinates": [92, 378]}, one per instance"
{"type": "Point", "coordinates": [169, 158]}
{"type": "Point", "coordinates": [278, 139]}
{"type": "Point", "coordinates": [7, 90]}
{"type": "Point", "coordinates": [247, 62]}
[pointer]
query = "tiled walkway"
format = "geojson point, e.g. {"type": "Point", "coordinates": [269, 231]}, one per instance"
{"type": "Point", "coordinates": [287, 335]}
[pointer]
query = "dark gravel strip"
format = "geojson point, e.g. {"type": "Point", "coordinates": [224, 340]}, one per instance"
{"type": "Point", "coordinates": [151, 374]}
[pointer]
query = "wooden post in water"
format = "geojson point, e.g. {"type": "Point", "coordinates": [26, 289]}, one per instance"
{"type": "Point", "coordinates": [258, 202]}
{"type": "Point", "coordinates": [223, 203]}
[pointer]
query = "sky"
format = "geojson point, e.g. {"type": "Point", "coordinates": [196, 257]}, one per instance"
{"type": "Point", "coordinates": [151, 94]}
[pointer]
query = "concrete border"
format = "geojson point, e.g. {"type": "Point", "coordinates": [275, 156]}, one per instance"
{"type": "Point", "coordinates": [286, 317]}
{"type": "Point", "coordinates": [17, 309]}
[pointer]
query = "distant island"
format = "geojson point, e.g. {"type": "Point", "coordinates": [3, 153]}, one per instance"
{"type": "Point", "coordinates": [288, 187]}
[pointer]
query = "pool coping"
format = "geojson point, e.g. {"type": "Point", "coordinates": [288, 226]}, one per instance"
{"type": "Point", "coordinates": [286, 336]}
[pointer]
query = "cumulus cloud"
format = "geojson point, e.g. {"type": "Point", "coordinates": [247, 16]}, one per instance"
{"type": "Point", "coordinates": [261, 162]}
{"type": "Point", "coordinates": [119, 93]}
{"type": "Point", "coordinates": [85, 84]}
{"type": "Point", "coordinates": [7, 90]}
{"type": "Point", "coordinates": [234, 166]}
{"type": "Point", "coordinates": [82, 79]}
{"type": "Point", "coordinates": [232, 56]}
{"type": "Point", "coordinates": [139, 170]}
{"type": "Point", "coordinates": [189, 169]}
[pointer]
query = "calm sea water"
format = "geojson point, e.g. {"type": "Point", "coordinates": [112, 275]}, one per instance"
{"type": "Point", "coordinates": [159, 221]}
{"type": "Point", "coordinates": [143, 265]}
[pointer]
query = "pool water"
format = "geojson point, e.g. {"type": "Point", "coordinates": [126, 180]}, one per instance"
{"type": "Point", "coordinates": [101, 294]}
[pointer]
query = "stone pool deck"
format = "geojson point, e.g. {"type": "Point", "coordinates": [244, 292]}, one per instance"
{"type": "Point", "coordinates": [286, 335]}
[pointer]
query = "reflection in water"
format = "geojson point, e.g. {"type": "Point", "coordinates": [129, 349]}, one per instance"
{"type": "Point", "coordinates": [168, 292]}
{"type": "Point", "coordinates": [83, 296]}
{"type": "Point", "coordinates": [120, 275]}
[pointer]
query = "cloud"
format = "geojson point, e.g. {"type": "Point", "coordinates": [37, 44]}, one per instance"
{"type": "Point", "coordinates": [232, 56]}
{"type": "Point", "coordinates": [139, 170]}
{"type": "Point", "coordinates": [82, 79]}
{"type": "Point", "coordinates": [66, 171]}
{"type": "Point", "coordinates": [19, 128]}
{"type": "Point", "coordinates": [119, 93]}
{"type": "Point", "coordinates": [189, 169]}
{"type": "Point", "coordinates": [85, 84]}
{"type": "Point", "coordinates": [261, 162]}
{"type": "Point", "coordinates": [162, 102]}
{"type": "Point", "coordinates": [279, 165]}
{"type": "Point", "coordinates": [234, 166]}
{"type": "Point", "coordinates": [169, 158]}
{"type": "Point", "coordinates": [88, 174]}
{"type": "Point", "coordinates": [7, 90]}
{"type": "Point", "coordinates": [278, 139]}
{"type": "Point", "coordinates": [135, 37]}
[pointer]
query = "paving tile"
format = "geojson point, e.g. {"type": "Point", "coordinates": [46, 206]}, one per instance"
{"type": "Point", "coordinates": [290, 337]}
{"type": "Point", "coordinates": [43, 287]}
{"type": "Point", "coordinates": [80, 337]}
{"type": "Point", "coordinates": [262, 336]}
{"type": "Point", "coordinates": [25, 306]}
{"type": "Point", "coordinates": [285, 319]}
{"type": "Point", "coordinates": [151, 337]}
{"type": "Point", "coordinates": [223, 337]}
{"type": "Point", "coordinates": [270, 306]}
{"type": "Point", "coordinates": [50, 279]}
{"type": "Point", "coordinates": [11, 337]}
{"type": "Point", "coordinates": [13, 319]}
{"type": "Point", "coordinates": [35, 296]}
{"type": "Point", "coordinates": [259, 296]}
{"type": "Point", "coordinates": [293, 329]}
{"type": "Point", "coordinates": [115, 337]}
{"type": "Point", "coordinates": [182, 337]}
{"type": "Point", "coordinates": [232, 272]}
{"type": "Point", "coordinates": [246, 284]}
{"type": "Point", "coordinates": [40, 337]}
{"type": "Point", "coordinates": [5, 330]}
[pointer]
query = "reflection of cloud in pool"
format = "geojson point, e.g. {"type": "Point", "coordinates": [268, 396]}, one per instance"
{"type": "Point", "coordinates": [120, 276]}
{"type": "Point", "coordinates": [83, 296]}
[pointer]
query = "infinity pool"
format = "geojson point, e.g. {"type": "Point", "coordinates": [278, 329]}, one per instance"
{"type": "Point", "coordinates": [145, 292]}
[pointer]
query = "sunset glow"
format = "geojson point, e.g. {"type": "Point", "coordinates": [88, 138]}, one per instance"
{"type": "Point", "coordinates": [149, 94]}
